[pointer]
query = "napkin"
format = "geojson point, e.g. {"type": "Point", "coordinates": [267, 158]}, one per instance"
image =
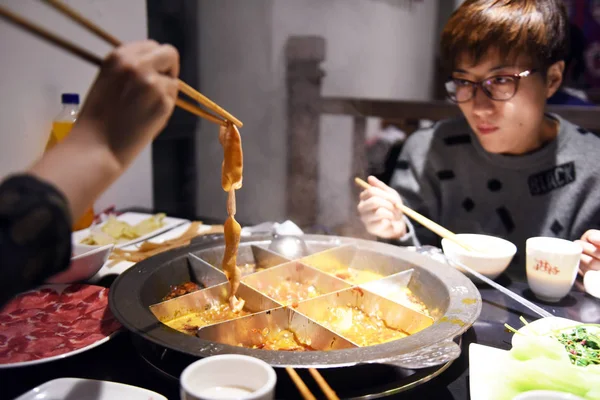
{"type": "Point", "coordinates": [273, 228]}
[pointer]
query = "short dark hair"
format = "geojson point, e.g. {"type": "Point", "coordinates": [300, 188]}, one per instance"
{"type": "Point", "coordinates": [538, 28]}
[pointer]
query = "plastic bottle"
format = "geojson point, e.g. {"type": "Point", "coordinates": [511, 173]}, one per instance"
{"type": "Point", "coordinates": [61, 127]}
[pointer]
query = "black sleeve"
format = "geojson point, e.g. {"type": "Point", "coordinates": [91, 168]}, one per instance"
{"type": "Point", "coordinates": [35, 234]}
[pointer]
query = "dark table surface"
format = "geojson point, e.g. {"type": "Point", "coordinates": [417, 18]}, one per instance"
{"type": "Point", "coordinates": [118, 361]}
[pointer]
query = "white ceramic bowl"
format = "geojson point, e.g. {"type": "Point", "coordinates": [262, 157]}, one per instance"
{"type": "Point", "coordinates": [493, 257]}
{"type": "Point", "coordinates": [228, 376]}
{"type": "Point", "coordinates": [85, 263]}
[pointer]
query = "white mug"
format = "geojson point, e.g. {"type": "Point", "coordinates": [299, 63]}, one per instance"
{"type": "Point", "coordinates": [228, 376]}
{"type": "Point", "coordinates": [552, 266]}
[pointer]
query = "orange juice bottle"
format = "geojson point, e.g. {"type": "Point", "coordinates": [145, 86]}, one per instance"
{"type": "Point", "coordinates": [61, 126]}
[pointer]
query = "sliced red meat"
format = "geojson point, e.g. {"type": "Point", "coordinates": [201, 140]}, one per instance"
{"type": "Point", "coordinates": [100, 314]}
{"type": "Point", "coordinates": [108, 327]}
{"type": "Point", "coordinates": [15, 357]}
{"type": "Point", "coordinates": [56, 352]}
{"type": "Point", "coordinates": [42, 345]}
{"type": "Point", "coordinates": [6, 318]}
{"type": "Point", "coordinates": [86, 325]}
{"type": "Point", "coordinates": [44, 323]}
{"type": "Point", "coordinates": [25, 313]}
{"type": "Point", "coordinates": [86, 340]}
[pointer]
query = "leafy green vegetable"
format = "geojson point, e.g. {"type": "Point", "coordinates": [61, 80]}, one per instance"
{"type": "Point", "coordinates": [582, 346]}
{"type": "Point", "coordinates": [566, 359]}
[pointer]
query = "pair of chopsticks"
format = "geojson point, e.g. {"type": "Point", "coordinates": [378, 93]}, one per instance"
{"type": "Point", "coordinates": [305, 391]}
{"type": "Point", "coordinates": [222, 116]}
{"type": "Point", "coordinates": [426, 222]}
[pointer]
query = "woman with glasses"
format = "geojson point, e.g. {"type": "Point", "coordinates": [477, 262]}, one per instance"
{"type": "Point", "coordinates": [506, 168]}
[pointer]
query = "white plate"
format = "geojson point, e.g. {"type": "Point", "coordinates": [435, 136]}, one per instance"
{"type": "Point", "coordinates": [36, 330]}
{"type": "Point", "coordinates": [486, 363]}
{"type": "Point", "coordinates": [133, 218]}
{"type": "Point", "coordinates": [87, 389]}
{"type": "Point", "coordinates": [123, 266]}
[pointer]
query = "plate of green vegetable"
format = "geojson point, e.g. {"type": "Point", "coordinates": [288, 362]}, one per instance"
{"type": "Point", "coordinates": [553, 353]}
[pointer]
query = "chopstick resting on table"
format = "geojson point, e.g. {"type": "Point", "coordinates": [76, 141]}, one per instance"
{"type": "Point", "coordinates": [426, 222]}
{"type": "Point", "coordinates": [93, 59]}
{"type": "Point", "coordinates": [305, 391]}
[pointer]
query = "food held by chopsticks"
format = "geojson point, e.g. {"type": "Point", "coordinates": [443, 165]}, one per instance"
{"type": "Point", "coordinates": [148, 249]}
{"type": "Point", "coordinates": [231, 180]}
{"type": "Point", "coordinates": [114, 231]}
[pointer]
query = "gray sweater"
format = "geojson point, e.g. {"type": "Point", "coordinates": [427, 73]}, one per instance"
{"type": "Point", "coordinates": [445, 174]}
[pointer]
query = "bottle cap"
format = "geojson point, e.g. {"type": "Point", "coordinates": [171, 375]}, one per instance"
{"type": "Point", "coordinates": [70, 98]}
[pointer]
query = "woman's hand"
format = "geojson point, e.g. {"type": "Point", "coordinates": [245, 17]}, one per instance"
{"type": "Point", "coordinates": [128, 105]}
{"type": "Point", "coordinates": [131, 99]}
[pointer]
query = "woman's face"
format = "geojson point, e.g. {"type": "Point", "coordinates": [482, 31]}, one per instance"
{"type": "Point", "coordinates": [515, 126]}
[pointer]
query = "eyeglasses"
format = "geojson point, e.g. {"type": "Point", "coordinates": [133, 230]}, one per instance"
{"type": "Point", "coordinates": [498, 87]}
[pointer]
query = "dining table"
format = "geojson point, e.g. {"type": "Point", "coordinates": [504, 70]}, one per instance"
{"type": "Point", "coordinates": [118, 360]}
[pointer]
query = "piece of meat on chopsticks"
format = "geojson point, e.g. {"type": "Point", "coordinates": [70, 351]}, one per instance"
{"type": "Point", "coordinates": [231, 179]}
{"type": "Point", "coordinates": [233, 158]}
{"type": "Point", "coordinates": [232, 241]}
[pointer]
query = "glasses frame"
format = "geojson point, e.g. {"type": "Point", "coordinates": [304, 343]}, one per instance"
{"type": "Point", "coordinates": [479, 84]}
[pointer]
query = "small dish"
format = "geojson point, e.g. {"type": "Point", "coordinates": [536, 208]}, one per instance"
{"type": "Point", "coordinates": [228, 376]}
{"type": "Point", "coordinates": [492, 259]}
{"type": "Point", "coordinates": [85, 263]}
{"type": "Point", "coordinates": [132, 218]}
{"type": "Point", "coordinates": [109, 269]}
{"type": "Point", "coordinates": [88, 389]}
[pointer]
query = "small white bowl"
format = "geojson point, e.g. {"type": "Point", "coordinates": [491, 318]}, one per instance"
{"type": "Point", "coordinates": [228, 376]}
{"type": "Point", "coordinates": [492, 258]}
{"type": "Point", "coordinates": [546, 395]}
{"type": "Point", "coordinates": [85, 263]}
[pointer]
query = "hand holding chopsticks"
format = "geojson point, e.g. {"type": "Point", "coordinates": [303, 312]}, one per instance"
{"type": "Point", "coordinates": [426, 222]}
{"type": "Point", "coordinates": [222, 115]}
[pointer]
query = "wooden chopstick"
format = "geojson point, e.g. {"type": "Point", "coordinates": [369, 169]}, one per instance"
{"type": "Point", "coordinates": [84, 54]}
{"type": "Point", "coordinates": [305, 391]}
{"type": "Point", "coordinates": [329, 392]}
{"type": "Point", "coordinates": [49, 36]}
{"type": "Point", "coordinates": [426, 222]}
{"type": "Point", "coordinates": [184, 87]}
{"type": "Point", "coordinates": [83, 21]}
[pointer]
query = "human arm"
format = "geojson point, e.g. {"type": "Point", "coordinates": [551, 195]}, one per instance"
{"type": "Point", "coordinates": [128, 105]}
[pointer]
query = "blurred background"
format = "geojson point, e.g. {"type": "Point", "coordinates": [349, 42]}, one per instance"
{"type": "Point", "coordinates": [270, 63]}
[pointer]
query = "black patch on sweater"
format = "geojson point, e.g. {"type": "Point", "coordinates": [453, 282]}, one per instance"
{"type": "Point", "coordinates": [402, 164]}
{"type": "Point", "coordinates": [468, 204]}
{"type": "Point", "coordinates": [551, 179]}
{"type": "Point", "coordinates": [445, 175]}
{"type": "Point", "coordinates": [457, 140]}
{"type": "Point", "coordinates": [494, 185]}
{"type": "Point", "coordinates": [506, 219]}
{"type": "Point", "coordinates": [556, 227]}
